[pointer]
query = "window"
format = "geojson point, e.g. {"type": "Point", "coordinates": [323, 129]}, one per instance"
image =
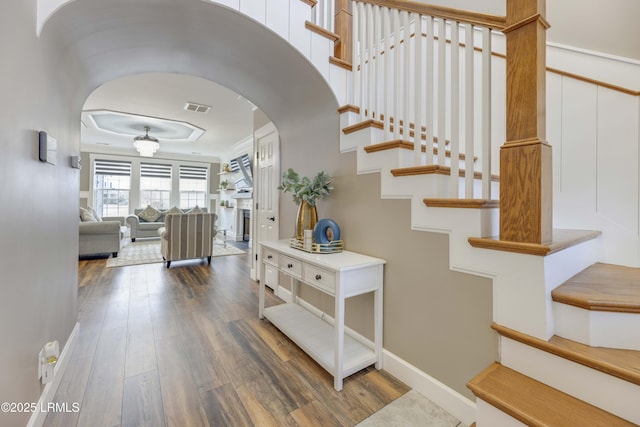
{"type": "Point", "coordinates": [155, 185]}
{"type": "Point", "coordinates": [111, 187]}
{"type": "Point", "coordinates": [193, 186]}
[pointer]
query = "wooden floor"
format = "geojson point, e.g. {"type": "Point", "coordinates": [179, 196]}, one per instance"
{"type": "Point", "coordinates": [184, 347]}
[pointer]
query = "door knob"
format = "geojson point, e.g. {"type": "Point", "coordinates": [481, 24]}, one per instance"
{"type": "Point", "coordinates": [271, 218]}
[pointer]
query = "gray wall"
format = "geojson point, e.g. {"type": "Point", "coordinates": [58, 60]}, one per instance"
{"type": "Point", "coordinates": [435, 319]}
{"type": "Point", "coordinates": [40, 204]}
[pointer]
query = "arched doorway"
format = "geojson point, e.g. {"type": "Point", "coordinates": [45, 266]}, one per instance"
{"type": "Point", "coordinates": [113, 39]}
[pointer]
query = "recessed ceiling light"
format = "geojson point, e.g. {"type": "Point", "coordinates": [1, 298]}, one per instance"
{"type": "Point", "coordinates": [197, 108]}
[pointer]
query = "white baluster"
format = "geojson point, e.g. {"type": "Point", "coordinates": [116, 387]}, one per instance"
{"type": "Point", "coordinates": [377, 63]}
{"type": "Point", "coordinates": [469, 116]}
{"type": "Point", "coordinates": [370, 65]}
{"type": "Point", "coordinates": [429, 91]}
{"type": "Point", "coordinates": [417, 90]}
{"type": "Point", "coordinates": [486, 113]}
{"type": "Point", "coordinates": [442, 87]}
{"type": "Point", "coordinates": [354, 89]}
{"type": "Point", "coordinates": [363, 59]}
{"type": "Point", "coordinates": [406, 64]}
{"type": "Point", "coordinates": [386, 20]}
{"type": "Point", "coordinates": [455, 110]}
{"type": "Point", "coordinates": [397, 58]}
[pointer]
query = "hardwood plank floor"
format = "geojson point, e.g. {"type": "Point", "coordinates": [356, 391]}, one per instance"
{"type": "Point", "coordinates": [184, 347]}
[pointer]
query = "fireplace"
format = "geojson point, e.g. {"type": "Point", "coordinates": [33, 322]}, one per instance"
{"type": "Point", "coordinates": [246, 225]}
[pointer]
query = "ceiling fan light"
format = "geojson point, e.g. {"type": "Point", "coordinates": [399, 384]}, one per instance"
{"type": "Point", "coordinates": [145, 144]}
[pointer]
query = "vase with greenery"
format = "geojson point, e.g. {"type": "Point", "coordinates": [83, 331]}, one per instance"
{"type": "Point", "coordinates": [306, 192]}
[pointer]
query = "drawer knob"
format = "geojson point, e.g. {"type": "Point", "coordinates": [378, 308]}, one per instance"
{"type": "Point", "coordinates": [318, 277]}
{"type": "Point", "coordinates": [269, 256]}
{"type": "Point", "coordinates": [289, 265]}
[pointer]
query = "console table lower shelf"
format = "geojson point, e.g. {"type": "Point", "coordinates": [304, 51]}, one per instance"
{"type": "Point", "coordinates": [316, 337]}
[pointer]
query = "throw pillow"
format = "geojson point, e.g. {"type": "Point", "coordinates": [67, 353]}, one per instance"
{"type": "Point", "coordinates": [87, 216]}
{"type": "Point", "coordinates": [150, 214]}
{"type": "Point", "coordinates": [173, 210]}
{"type": "Point", "coordinates": [195, 210]}
{"type": "Point", "coordinates": [95, 214]}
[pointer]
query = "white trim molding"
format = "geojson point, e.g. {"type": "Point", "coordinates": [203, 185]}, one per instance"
{"type": "Point", "coordinates": [48, 393]}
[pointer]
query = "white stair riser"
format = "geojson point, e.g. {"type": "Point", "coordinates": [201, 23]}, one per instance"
{"type": "Point", "coordinates": [490, 416]}
{"type": "Point", "coordinates": [597, 328]}
{"type": "Point", "coordinates": [599, 389]}
{"type": "Point", "coordinates": [362, 138]}
{"type": "Point", "coordinates": [339, 81]}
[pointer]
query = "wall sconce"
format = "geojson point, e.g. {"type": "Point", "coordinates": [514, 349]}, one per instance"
{"type": "Point", "coordinates": [76, 162]}
{"type": "Point", "coordinates": [48, 148]}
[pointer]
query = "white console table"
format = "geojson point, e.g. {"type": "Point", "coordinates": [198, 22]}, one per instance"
{"type": "Point", "coordinates": [342, 275]}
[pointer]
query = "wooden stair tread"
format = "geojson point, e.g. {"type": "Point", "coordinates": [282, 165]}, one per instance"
{"type": "Point", "coordinates": [623, 364]}
{"type": "Point", "coordinates": [371, 123]}
{"type": "Point", "coordinates": [602, 287]}
{"type": "Point", "coordinates": [535, 403]}
{"type": "Point", "coordinates": [562, 239]}
{"type": "Point", "coordinates": [321, 31]}
{"type": "Point", "coordinates": [461, 203]}
{"type": "Point", "coordinates": [341, 63]}
{"type": "Point", "coordinates": [434, 169]}
{"type": "Point", "coordinates": [407, 145]}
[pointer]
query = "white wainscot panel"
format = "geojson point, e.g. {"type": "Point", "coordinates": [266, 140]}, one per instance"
{"type": "Point", "coordinates": [554, 126]}
{"type": "Point", "coordinates": [255, 9]}
{"type": "Point", "coordinates": [618, 158]}
{"type": "Point", "coordinates": [321, 49]}
{"type": "Point", "coordinates": [278, 17]}
{"type": "Point", "coordinates": [578, 167]}
{"type": "Point", "coordinates": [299, 36]}
{"type": "Point", "coordinates": [233, 4]}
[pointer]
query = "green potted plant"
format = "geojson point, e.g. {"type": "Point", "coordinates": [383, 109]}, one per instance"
{"type": "Point", "coordinates": [224, 184]}
{"type": "Point", "coordinates": [306, 192]}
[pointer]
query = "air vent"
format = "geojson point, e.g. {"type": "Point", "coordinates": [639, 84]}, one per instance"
{"type": "Point", "coordinates": [197, 108]}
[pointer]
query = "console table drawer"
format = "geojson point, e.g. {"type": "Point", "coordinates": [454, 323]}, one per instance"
{"type": "Point", "coordinates": [291, 266]}
{"type": "Point", "coordinates": [320, 278]}
{"type": "Point", "coordinates": [270, 256]}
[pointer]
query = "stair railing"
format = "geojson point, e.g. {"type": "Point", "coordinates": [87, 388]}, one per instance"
{"type": "Point", "coordinates": [378, 37]}
{"type": "Point", "coordinates": [425, 73]}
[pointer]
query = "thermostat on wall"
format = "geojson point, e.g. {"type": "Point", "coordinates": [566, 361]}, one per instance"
{"type": "Point", "coordinates": [48, 148]}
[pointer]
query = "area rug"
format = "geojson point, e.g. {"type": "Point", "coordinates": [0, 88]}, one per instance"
{"type": "Point", "coordinates": [148, 252]}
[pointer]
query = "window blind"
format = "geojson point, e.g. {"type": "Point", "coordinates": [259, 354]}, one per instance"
{"type": "Point", "coordinates": [193, 172]}
{"type": "Point", "coordinates": [112, 167]}
{"type": "Point", "coordinates": [154, 170]}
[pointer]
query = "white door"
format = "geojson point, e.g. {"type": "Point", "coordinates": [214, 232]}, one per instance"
{"type": "Point", "coordinates": [266, 194]}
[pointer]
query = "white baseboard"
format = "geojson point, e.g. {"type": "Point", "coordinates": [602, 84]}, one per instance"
{"type": "Point", "coordinates": [440, 394]}
{"type": "Point", "coordinates": [49, 391]}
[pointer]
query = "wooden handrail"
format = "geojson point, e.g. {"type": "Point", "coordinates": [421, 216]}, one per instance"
{"type": "Point", "coordinates": [495, 22]}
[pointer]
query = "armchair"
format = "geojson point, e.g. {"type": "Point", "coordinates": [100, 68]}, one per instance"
{"type": "Point", "coordinates": [187, 236]}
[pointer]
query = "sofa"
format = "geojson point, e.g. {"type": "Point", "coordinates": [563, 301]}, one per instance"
{"type": "Point", "coordinates": [99, 235]}
{"type": "Point", "coordinates": [187, 236]}
{"type": "Point", "coordinates": [146, 222]}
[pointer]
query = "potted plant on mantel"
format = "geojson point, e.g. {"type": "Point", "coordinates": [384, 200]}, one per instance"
{"type": "Point", "coordinates": [305, 192]}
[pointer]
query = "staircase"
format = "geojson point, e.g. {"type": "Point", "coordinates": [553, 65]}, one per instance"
{"type": "Point", "coordinates": [568, 324]}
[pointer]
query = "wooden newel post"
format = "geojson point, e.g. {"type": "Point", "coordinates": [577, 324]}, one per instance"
{"type": "Point", "coordinates": [525, 158]}
{"type": "Point", "coordinates": [344, 28]}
